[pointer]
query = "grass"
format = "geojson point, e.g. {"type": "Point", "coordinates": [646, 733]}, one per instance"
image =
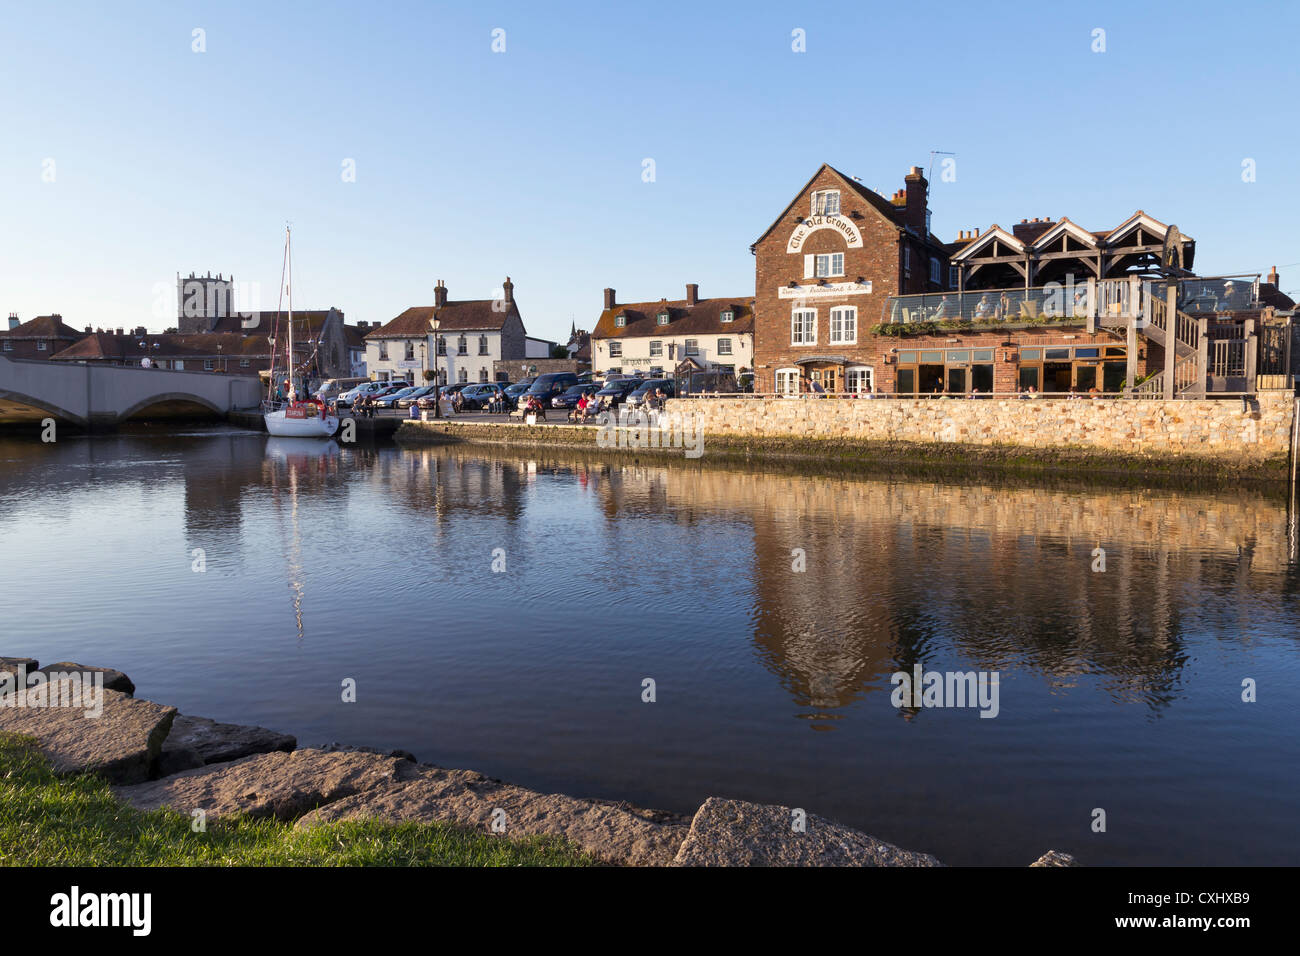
{"type": "Point", "coordinates": [51, 820]}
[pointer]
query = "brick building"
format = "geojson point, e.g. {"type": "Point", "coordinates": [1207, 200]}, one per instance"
{"type": "Point", "coordinates": [223, 352]}
{"type": "Point", "coordinates": [40, 338]}
{"type": "Point", "coordinates": [854, 292]}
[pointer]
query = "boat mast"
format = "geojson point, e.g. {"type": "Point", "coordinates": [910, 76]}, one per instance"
{"type": "Point", "coordinates": [288, 258]}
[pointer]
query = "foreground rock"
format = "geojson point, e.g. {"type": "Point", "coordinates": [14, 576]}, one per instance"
{"type": "Point", "coordinates": [197, 741]}
{"type": "Point", "coordinates": [1055, 858]}
{"type": "Point", "coordinates": [612, 833]}
{"type": "Point", "coordinates": [12, 665]}
{"type": "Point", "coordinates": [121, 744]}
{"type": "Point", "coordinates": [736, 833]}
{"type": "Point", "coordinates": [280, 785]}
{"type": "Point", "coordinates": [113, 680]}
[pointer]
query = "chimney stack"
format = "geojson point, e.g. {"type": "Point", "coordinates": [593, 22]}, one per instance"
{"type": "Point", "coordinates": [89, 330]}
{"type": "Point", "coordinates": [917, 191]}
{"type": "Point", "coordinates": [1274, 279]}
{"type": "Point", "coordinates": [609, 298]}
{"type": "Point", "coordinates": [508, 289]}
{"type": "Point", "coordinates": [13, 321]}
{"type": "Point", "coordinates": [439, 295]}
{"type": "Point", "coordinates": [121, 331]}
{"type": "Point", "coordinates": [692, 293]}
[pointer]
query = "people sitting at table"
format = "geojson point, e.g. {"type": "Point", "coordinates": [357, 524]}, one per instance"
{"type": "Point", "coordinates": [984, 309]}
{"type": "Point", "coordinates": [944, 310]}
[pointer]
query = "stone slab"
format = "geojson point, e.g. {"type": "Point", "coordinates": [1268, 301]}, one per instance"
{"type": "Point", "coordinates": [737, 833]}
{"type": "Point", "coordinates": [198, 741]}
{"type": "Point", "coordinates": [113, 680]}
{"type": "Point", "coordinates": [122, 743]}
{"type": "Point", "coordinates": [11, 665]}
{"type": "Point", "coordinates": [612, 833]}
{"type": "Point", "coordinates": [280, 785]}
{"type": "Point", "coordinates": [1055, 858]}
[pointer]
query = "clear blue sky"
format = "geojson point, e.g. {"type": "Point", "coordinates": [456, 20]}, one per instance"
{"type": "Point", "coordinates": [471, 165]}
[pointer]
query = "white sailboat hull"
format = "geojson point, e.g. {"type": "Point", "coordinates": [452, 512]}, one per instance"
{"type": "Point", "coordinates": [313, 426]}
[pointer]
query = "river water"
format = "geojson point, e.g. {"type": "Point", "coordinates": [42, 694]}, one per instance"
{"type": "Point", "coordinates": [769, 609]}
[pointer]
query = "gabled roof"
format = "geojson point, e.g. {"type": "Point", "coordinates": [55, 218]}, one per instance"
{"type": "Point", "coordinates": [469, 315]}
{"type": "Point", "coordinates": [887, 210]}
{"type": "Point", "coordinates": [305, 322]}
{"type": "Point", "coordinates": [702, 318]}
{"type": "Point", "coordinates": [1138, 219]}
{"type": "Point", "coordinates": [994, 232]}
{"type": "Point", "coordinates": [43, 327]}
{"type": "Point", "coordinates": [1066, 226]}
{"type": "Point", "coordinates": [101, 346]}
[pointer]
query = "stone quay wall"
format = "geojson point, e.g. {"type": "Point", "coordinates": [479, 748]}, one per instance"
{"type": "Point", "coordinates": [1220, 429]}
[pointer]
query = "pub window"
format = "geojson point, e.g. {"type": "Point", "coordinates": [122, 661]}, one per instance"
{"type": "Point", "coordinates": [462, 347]}
{"type": "Point", "coordinates": [724, 346]}
{"type": "Point", "coordinates": [692, 346]}
{"type": "Point", "coordinates": [482, 375]}
{"type": "Point", "coordinates": [1057, 354]}
{"type": "Point", "coordinates": [803, 327]}
{"type": "Point", "coordinates": [209, 365]}
{"type": "Point", "coordinates": [243, 363]}
{"type": "Point", "coordinates": [829, 265]}
{"type": "Point", "coordinates": [787, 381]}
{"type": "Point", "coordinates": [844, 326]}
{"type": "Point", "coordinates": [663, 318]}
{"type": "Point", "coordinates": [442, 346]}
{"type": "Point", "coordinates": [483, 346]}
{"type": "Point", "coordinates": [615, 349]}
{"type": "Point", "coordinates": [656, 349]}
{"type": "Point", "coordinates": [383, 351]}
{"type": "Point", "coordinates": [410, 351]}
{"type": "Point", "coordinates": [826, 202]}
{"type": "Point", "coordinates": [463, 376]}
{"type": "Point", "coordinates": [40, 345]}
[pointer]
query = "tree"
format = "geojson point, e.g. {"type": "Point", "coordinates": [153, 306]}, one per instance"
{"type": "Point", "coordinates": [559, 352]}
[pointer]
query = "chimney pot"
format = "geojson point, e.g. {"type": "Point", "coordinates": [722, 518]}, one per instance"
{"type": "Point", "coordinates": [439, 295]}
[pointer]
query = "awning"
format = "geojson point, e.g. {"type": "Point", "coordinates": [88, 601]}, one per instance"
{"type": "Point", "coordinates": [823, 359]}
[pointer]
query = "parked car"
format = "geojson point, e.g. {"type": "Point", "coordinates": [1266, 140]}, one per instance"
{"type": "Point", "coordinates": [349, 398]}
{"type": "Point", "coordinates": [710, 382]}
{"type": "Point", "coordinates": [638, 394]}
{"type": "Point", "coordinates": [513, 392]}
{"type": "Point", "coordinates": [411, 396]}
{"type": "Point", "coordinates": [569, 398]}
{"type": "Point", "coordinates": [390, 399]}
{"type": "Point", "coordinates": [545, 387]}
{"type": "Point", "coordinates": [480, 395]}
{"type": "Point", "coordinates": [614, 393]}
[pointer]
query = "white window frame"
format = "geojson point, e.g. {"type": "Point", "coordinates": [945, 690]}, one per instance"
{"type": "Point", "coordinates": [243, 363]}
{"type": "Point", "coordinates": [383, 351]}
{"type": "Point", "coordinates": [209, 365]}
{"type": "Point", "coordinates": [40, 345]}
{"type": "Point", "coordinates": [615, 349]}
{"type": "Point", "coordinates": [791, 375]}
{"type": "Point", "coordinates": [827, 265]}
{"type": "Point", "coordinates": [410, 350]}
{"type": "Point", "coordinates": [620, 321]}
{"type": "Point", "coordinates": [838, 314]}
{"type": "Point", "coordinates": [663, 318]}
{"type": "Point", "coordinates": [691, 346]}
{"type": "Point", "coordinates": [826, 202]}
{"type": "Point", "coordinates": [482, 375]}
{"type": "Point", "coordinates": [795, 315]}
{"type": "Point", "coordinates": [483, 345]}
{"type": "Point", "coordinates": [9, 346]}
{"type": "Point", "coordinates": [728, 316]}
{"type": "Point", "coordinates": [858, 369]}
{"type": "Point", "coordinates": [656, 349]}
{"type": "Point", "coordinates": [724, 346]}
{"type": "Point", "coordinates": [462, 346]}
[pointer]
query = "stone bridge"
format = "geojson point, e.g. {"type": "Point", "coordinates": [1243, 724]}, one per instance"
{"type": "Point", "coordinates": [103, 396]}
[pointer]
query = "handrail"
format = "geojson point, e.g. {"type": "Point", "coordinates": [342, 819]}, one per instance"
{"type": "Point", "coordinates": [909, 396]}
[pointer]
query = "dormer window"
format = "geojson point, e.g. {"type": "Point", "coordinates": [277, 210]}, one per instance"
{"type": "Point", "coordinates": [728, 316]}
{"type": "Point", "coordinates": [663, 318]}
{"type": "Point", "coordinates": [826, 202]}
{"type": "Point", "coordinates": [620, 320]}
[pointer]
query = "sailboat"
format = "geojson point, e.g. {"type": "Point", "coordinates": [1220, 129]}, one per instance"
{"type": "Point", "coordinates": [293, 418]}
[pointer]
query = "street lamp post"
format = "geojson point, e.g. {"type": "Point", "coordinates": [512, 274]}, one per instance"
{"type": "Point", "coordinates": [437, 372]}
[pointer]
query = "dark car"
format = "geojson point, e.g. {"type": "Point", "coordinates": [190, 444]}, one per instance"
{"type": "Point", "coordinates": [569, 399]}
{"type": "Point", "coordinates": [615, 393]}
{"type": "Point", "coordinates": [514, 392]}
{"type": "Point", "coordinates": [410, 397]}
{"type": "Point", "coordinates": [480, 395]}
{"type": "Point", "coordinates": [638, 395]}
{"type": "Point", "coordinates": [545, 387]}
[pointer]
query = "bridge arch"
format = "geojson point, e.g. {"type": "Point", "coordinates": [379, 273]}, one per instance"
{"type": "Point", "coordinates": [42, 408]}
{"type": "Point", "coordinates": [182, 399]}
